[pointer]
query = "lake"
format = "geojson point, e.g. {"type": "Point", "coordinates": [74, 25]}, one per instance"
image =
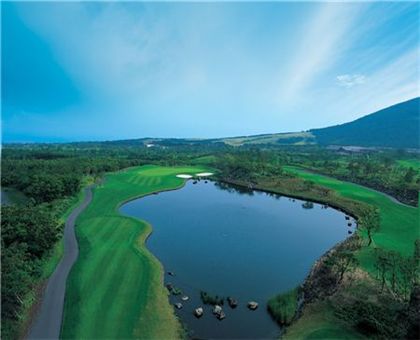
{"type": "Point", "coordinates": [226, 241]}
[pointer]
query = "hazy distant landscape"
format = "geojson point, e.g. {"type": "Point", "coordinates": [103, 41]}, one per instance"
{"type": "Point", "coordinates": [210, 171]}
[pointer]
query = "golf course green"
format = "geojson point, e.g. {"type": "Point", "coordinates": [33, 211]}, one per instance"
{"type": "Point", "coordinates": [399, 228]}
{"type": "Point", "coordinates": [115, 289]}
{"type": "Point", "coordinates": [399, 224]}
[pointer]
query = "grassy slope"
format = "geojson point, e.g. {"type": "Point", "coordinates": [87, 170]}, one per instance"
{"type": "Point", "coordinates": [267, 139]}
{"type": "Point", "coordinates": [398, 230]}
{"type": "Point", "coordinates": [115, 289]}
{"type": "Point", "coordinates": [320, 323]}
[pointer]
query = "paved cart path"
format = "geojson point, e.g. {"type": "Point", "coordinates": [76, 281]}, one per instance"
{"type": "Point", "coordinates": [47, 322]}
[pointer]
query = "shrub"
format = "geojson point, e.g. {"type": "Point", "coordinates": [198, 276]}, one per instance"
{"type": "Point", "coordinates": [283, 307]}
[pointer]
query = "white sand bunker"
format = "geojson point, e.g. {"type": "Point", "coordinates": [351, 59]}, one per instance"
{"type": "Point", "coordinates": [204, 174]}
{"type": "Point", "coordinates": [184, 176]}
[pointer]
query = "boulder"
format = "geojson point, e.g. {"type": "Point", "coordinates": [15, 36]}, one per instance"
{"type": "Point", "coordinates": [232, 302]}
{"type": "Point", "coordinates": [198, 312]}
{"type": "Point", "coordinates": [217, 309]}
{"type": "Point", "coordinates": [252, 305]}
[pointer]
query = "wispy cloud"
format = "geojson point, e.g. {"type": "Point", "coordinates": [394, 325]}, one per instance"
{"type": "Point", "coordinates": [106, 49]}
{"type": "Point", "coordinates": [158, 68]}
{"type": "Point", "coordinates": [394, 82]}
{"type": "Point", "coordinates": [326, 37]}
{"type": "Point", "coordinates": [350, 80]}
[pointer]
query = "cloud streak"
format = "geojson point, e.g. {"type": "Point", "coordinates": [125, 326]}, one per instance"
{"type": "Point", "coordinates": [350, 80]}
{"type": "Point", "coordinates": [325, 38]}
{"type": "Point", "coordinates": [217, 69]}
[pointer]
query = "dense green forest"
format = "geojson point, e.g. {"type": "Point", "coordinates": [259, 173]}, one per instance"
{"type": "Point", "coordinates": [50, 175]}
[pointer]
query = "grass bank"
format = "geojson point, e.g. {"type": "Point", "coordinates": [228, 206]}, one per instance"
{"type": "Point", "coordinates": [399, 224]}
{"type": "Point", "coordinates": [399, 228]}
{"type": "Point", "coordinates": [115, 288]}
{"type": "Point", "coordinates": [319, 322]}
{"type": "Point", "coordinates": [283, 307]}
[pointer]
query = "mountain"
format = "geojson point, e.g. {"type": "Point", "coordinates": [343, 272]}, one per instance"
{"type": "Point", "coordinates": [397, 126]}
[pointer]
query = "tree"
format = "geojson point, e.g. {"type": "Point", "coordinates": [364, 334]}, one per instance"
{"type": "Point", "coordinates": [416, 254]}
{"type": "Point", "coordinates": [308, 185]}
{"type": "Point", "coordinates": [33, 226]}
{"type": "Point", "coordinates": [45, 188]}
{"type": "Point", "coordinates": [382, 264]}
{"type": "Point", "coordinates": [15, 280]}
{"type": "Point", "coordinates": [409, 175]}
{"type": "Point", "coordinates": [71, 185]}
{"type": "Point", "coordinates": [408, 275]}
{"type": "Point", "coordinates": [354, 168]}
{"type": "Point", "coordinates": [370, 222]}
{"type": "Point", "coordinates": [342, 261]}
{"type": "Point", "coordinates": [395, 261]}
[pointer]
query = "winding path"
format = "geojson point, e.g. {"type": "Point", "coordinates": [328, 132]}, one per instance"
{"type": "Point", "coordinates": [47, 322]}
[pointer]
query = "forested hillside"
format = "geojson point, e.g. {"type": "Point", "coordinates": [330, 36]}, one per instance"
{"type": "Point", "coordinates": [397, 126]}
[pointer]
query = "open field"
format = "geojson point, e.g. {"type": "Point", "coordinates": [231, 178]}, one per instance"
{"type": "Point", "coordinates": [115, 288]}
{"type": "Point", "coordinates": [291, 138]}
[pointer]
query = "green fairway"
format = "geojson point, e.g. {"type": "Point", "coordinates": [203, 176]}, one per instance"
{"type": "Point", "coordinates": [410, 163]}
{"type": "Point", "coordinates": [399, 225]}
{"type": "Point", "coordinates": [115, 289]}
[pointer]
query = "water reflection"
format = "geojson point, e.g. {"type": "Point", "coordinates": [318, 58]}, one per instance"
{"type": "Point", "coordinates": [230, 241]}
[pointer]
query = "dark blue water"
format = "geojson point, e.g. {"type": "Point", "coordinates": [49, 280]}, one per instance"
{"type": "Point", "coordinates": [251, 246]}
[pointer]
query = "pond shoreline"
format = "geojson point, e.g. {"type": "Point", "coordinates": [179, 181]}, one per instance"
{"type": "Point", "coordinates": [152, 223]}
{"type": "Point", "coordinates": [294, 196]}
{"type": "Point", "coordinates": [312, 273]}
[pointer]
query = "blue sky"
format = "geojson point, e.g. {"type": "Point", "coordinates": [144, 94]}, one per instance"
{"type": "Point", "coordinates": [108, 70]}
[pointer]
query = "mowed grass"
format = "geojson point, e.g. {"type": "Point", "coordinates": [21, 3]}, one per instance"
{"type": "Point", "coordinates": [410, 163]}
{"type": "Point", "coordinates": [399, 224]}
{"type": "Point", "coordinates": [115, 289]}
